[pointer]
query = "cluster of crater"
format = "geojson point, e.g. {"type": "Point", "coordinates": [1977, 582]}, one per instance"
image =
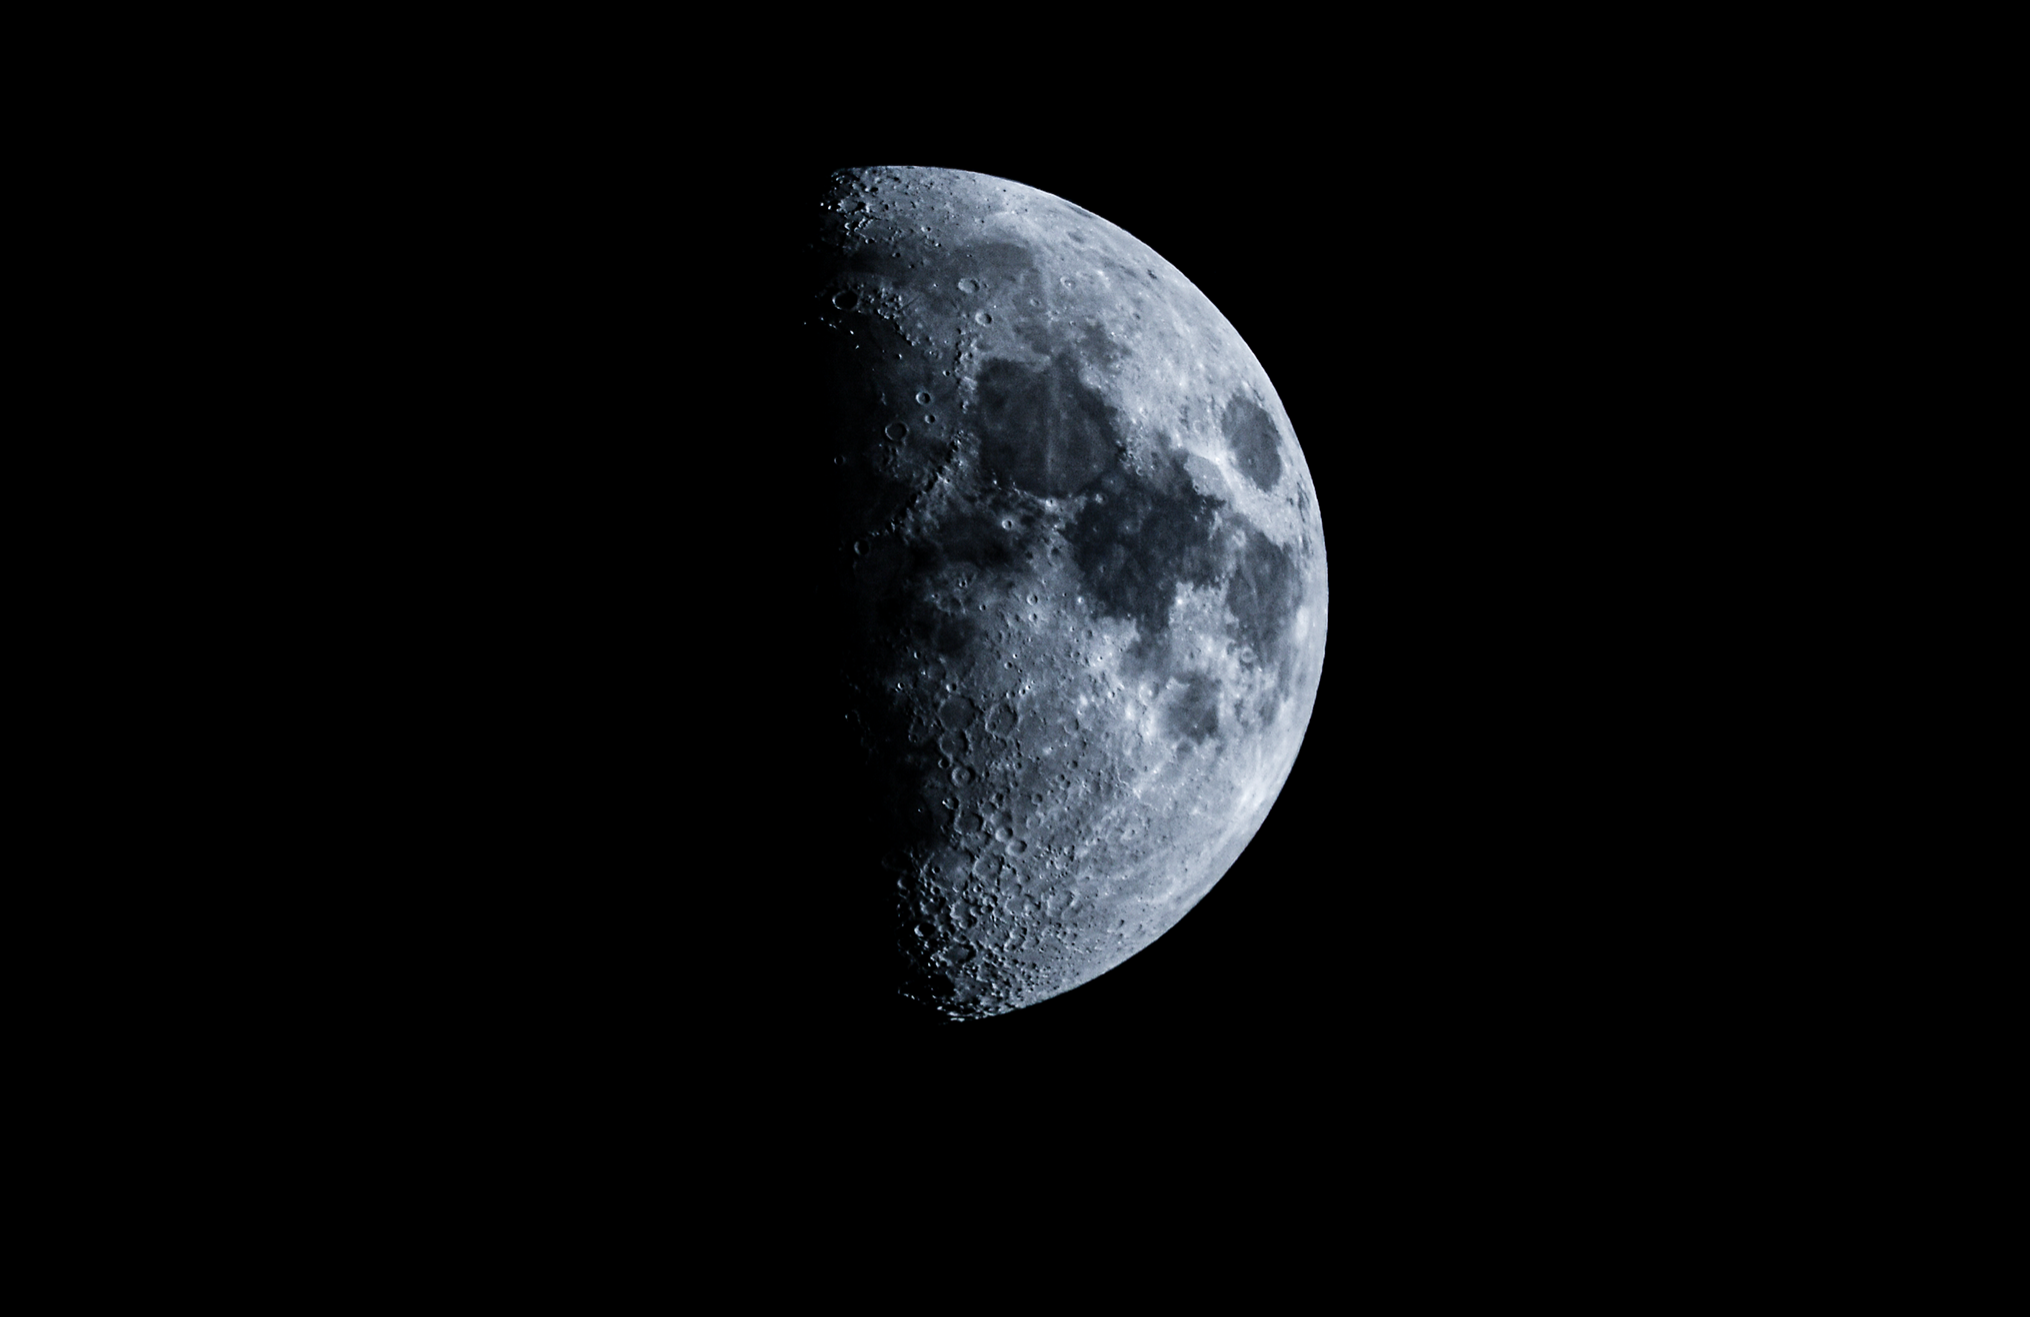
{"type": "Point", "coordinates": [1035, 580]}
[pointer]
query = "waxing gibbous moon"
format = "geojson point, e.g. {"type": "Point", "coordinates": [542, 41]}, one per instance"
{"type": "Point", "coordinates": [1084, 573]}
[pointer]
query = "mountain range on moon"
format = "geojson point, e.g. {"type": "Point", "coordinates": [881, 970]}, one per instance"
{"type": "Point", "coordinates": [1084, 573]}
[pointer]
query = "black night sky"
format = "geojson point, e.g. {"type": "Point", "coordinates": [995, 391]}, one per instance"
{"type": "Point", "coordinates": [1496, 835]}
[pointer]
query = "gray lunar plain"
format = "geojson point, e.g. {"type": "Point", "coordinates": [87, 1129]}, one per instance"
{"type": "Point", "coordinates": [1085, 567]}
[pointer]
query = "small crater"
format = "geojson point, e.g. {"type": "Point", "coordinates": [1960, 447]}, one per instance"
{"type": "Point", "coordinates": [983, 318]}
{"type": "Point", "coordinates": [896, 431]}
{"type": "Point", "coordinates": [846, 300]}
{"type": "Point", "coordinates": [969, 286]}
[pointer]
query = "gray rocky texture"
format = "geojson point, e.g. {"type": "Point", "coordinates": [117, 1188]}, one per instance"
{"type": "Point", "coordinates": [1085, 569]}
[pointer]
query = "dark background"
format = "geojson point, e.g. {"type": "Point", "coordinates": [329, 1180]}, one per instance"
{"type": "Point", "coordinates": [1558, 836]}
{"type": "Point", "coordinates": [1559, 833]}
{"type": "Point", "coordinates": [1520, 832]}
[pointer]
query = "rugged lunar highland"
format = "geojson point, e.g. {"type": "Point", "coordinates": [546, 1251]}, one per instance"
{"type": "Point", "coordinates": [1085, 570]}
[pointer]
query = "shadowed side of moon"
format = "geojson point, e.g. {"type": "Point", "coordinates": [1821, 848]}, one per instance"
{"type": "Point", "coordinates": [1082, 557]}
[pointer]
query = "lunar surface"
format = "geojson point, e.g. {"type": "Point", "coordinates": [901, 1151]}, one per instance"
{"type": "Point", "coordinates": [1084, 570]}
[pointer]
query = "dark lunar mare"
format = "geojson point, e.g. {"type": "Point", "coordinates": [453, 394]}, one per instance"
{"type": "Point", "coordinates": [1140, 536]}
{"type": "Point", "coordinates": [1263, 596]}
{"type": "Point", "coordinates": [1047, 432]}
{"type": "Point", "coordinates": [1251, 438]}
{"type": "Point", "coordinates": [1044, 430]}
{"type": "Point", "coordinates": [1195, 716]}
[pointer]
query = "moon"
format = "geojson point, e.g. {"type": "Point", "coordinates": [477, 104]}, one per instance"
{"type": "Point", "coordinates": [1083, 572]}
